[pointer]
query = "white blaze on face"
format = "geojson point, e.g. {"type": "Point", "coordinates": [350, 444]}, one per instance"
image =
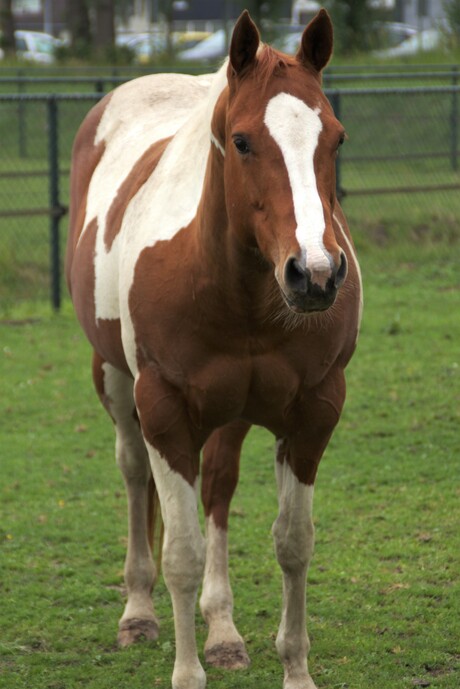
{"type": "Point", "coordinates": [296, 128]}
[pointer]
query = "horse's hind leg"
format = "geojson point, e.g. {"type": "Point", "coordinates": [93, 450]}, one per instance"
{"type": "Point", "coordinates": [224, 646]}
{"type": "Point", "coordinates": [115, 390]}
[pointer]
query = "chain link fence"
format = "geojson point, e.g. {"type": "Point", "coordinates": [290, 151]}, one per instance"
{"type": "Point", "coordinates": [37, 133]}
{"type": "Point", "coordinates": [399, 168]}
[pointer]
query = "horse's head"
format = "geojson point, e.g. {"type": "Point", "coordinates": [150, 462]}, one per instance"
{"type": "Point", "coordinates": [281, 138]}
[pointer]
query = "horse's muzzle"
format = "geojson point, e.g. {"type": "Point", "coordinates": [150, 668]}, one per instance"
{"type": "Point", "coordinates": [305, 292]}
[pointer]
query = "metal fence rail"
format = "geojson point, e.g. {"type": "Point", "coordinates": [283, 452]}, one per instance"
{"type": "Point", "coordinates": [444, 147]}
{"type": "Point", "coordinates": [400, 141]}
{"type": "Point", "coordinates": [101, 83]}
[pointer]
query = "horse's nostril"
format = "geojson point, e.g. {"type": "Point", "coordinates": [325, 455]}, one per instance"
{"type": "Point", "coordinates": [341, 272]}
{"type": "Point", "coordinates": [296, 276]}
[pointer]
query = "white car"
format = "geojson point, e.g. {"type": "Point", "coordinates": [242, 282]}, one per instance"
{"type": "Point", "coordinates": [212, 48]}
{"type": "Point", "coordinates": [419, 42]}
{"type": "Point", "coordinates": [36, 46]}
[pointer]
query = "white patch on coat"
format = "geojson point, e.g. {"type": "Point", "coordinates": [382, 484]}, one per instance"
{"type": "Point", "coordinates": [140, 113]}
{"type": "Point", "coordinates": [216, 600]}
{"type": "Point", "coordinates": [167, 202]}
{"type": "Point", "coordinates": [294, 540]}
{"type": "Point", "coordinates": [183, 564]}
{"type": "Point", "coordinates": [296, 128]}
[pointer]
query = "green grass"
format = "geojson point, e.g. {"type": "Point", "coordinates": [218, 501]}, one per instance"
{"type": "Point", "coordinates": [383, 586]}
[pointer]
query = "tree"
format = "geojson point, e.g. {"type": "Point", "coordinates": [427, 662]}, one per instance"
{"type": "Point", "coordinates": [7, 27]}
{"type": "Point", "coordinates": [452, 10]}
{"type": "Point", "coordinates": [79, 27]}
{"type": "Point", "coordinates": [353, 25]}
{"type": "Point", "coordinates": [86, 36]}
{"type": "Point", "coordinates": [263, 9]}
{"type": "Point", "coordinates": [104, 33]}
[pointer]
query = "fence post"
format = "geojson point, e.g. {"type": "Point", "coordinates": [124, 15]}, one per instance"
{"type": "Point", "coordinates": [454, 121]}
{"type": "Point", "coordinates": [22, 117]}
{"type": "Point", "coordinates": [55, 207]}
{"type": "Point", "coordinates": [336, 106]}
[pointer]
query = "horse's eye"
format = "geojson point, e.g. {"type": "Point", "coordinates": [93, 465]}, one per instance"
{"type": "Point", "coordinates": [241, 145]}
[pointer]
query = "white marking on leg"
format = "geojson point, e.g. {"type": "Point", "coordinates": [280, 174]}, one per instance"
{"type": "Point", "coordinates": [293, 533]}
{"type": "Point", "coordinates": [135, 118]}
{"type": "Point", "coordinates": [296, 128]}
{"type": "Point", "coordinates": [216, 601]}
{"type": "Point", "coordinates": [183, 564]}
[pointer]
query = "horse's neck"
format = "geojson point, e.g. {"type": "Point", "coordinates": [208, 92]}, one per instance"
{"type": "Point", "coordinates": [230, 269]}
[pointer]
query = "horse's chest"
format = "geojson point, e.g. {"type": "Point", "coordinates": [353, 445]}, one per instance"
{"type": "Point", "coordinates": [275, 384]}
{"type": "Point", "coordinates": [260, 389]}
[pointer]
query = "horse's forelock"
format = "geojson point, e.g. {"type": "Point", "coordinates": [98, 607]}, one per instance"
{"type": "Point", "coordinates": [270, 63]}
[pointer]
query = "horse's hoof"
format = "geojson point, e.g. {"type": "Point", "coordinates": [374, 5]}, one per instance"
{"type": "Point", "coordinates": [134, 630]}
{"type": "Point", "coordinates": [299, 683]}
{"type": "Point", "coordinates": [231, 656]}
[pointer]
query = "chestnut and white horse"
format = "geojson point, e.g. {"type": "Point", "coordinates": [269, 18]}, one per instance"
{"type": "Point", "coordinates": [212, 270]}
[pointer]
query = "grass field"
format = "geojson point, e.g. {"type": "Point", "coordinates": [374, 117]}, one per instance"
{"type": "Point", "coordinates": [383, 591]}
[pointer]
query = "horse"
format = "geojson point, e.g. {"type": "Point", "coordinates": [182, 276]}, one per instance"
{"type": "Point", "coordinates": [213, 272]}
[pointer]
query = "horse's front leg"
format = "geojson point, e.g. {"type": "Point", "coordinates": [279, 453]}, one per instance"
{"type": "Point", "coordinates": [224, 646]}
{"type": "Point", "coordinates": [174, 461]}
{"type": "Point", "coordinates": [296, 465]}
{"type": "Point", "coordinates": [293, 533]}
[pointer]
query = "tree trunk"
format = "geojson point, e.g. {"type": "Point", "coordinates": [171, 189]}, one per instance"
{"type": "Point", "coordinates": [79, 25]}
{"type": "Point", "coordinates": [7, 27]}
{"type": "Point", "coordinates": [105, 25]}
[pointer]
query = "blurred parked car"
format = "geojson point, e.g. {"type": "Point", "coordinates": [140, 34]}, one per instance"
{"type": "Point", "coordinates": [212, 48]}
{"type": "Point", "coordinates": [35, 46]}
{"type": "Point", "coordinates": [188, 39]}
{"type": "Point", "coordinates": [144, 46]}
{"type": "Point", "coordinates": [147, 46]}
{"type": "Point", "coordinates": [390, 34]}
{"type": "Point", "coordinates": [430, 39]}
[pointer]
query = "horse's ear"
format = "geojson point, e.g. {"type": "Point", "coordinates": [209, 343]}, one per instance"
{"type": "Point", "coordinates": [317, 40]}
{"type": "Point", "coordinates": [244, 44]}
